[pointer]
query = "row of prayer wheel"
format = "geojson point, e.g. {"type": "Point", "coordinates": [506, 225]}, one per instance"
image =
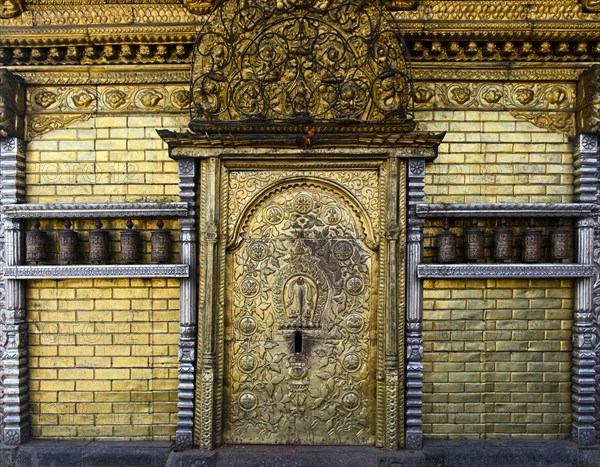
{"type": "Point", "coordinates": [502, 250]}
{"type": "Point", "coordinates": [36, 242]}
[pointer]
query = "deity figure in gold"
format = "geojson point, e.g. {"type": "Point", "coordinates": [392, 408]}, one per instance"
{"type": "Point", "coordinates": [300, 299]}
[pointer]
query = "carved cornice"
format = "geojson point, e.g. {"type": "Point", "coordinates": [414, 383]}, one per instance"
{"type": "Point", "coordinates": [142, 47]}
{"type": "Point", "coordinates": [393, 139]}
{"type": "Point", "coordinates": [179, 73]}
{"type": "Point", "coordinates": [122, 75]}
{"type": "Point", "coordinates": [436, 30]}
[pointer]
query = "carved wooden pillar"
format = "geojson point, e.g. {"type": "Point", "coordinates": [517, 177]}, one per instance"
{"type": "Point", "coordinates": [189, 307]}
{"type": "Point", "coordinates": [391, 318]}
{"type": "Point", "coordinates": [209, 236]}
{"type": "Point", "coordinates": [414, 308]}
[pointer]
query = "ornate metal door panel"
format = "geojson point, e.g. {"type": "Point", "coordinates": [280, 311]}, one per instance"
{"type": "Point", "coordinates": [300, 335]}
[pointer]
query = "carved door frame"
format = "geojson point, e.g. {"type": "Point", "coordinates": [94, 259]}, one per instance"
{"type": "Point", "coordinates": [204, 161]}
{"type": "Point", "coordinates": [213, 191]}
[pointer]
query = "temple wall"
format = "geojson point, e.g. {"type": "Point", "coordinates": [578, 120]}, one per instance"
{"type": "Point", "coordinates": [497, 359]}
{"type": "Point", "coordinates": [489, 156]}
{"type": "Point", "coordinates": [103, 358]}
{"type": "Point", "coordinates": [497, 352]}
{"type": "Point", "coordinates": [116, 158]}
{"type": "Point", "coordinates": [103, 353]}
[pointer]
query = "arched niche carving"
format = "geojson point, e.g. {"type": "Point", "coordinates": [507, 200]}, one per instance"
{"type": "Point", "coordinates": [261, 202]}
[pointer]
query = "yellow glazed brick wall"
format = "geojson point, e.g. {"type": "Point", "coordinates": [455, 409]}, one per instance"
{"type": "Point", "coordinates": [103, 358]}
{"type": "Point", "coordinates": [106, 158]}
{"type": "Point", "coordinates": [489, 156]}
{"type": "Point", "coordinates": [103, 353]}
{"type": "Point", "coordinates": [497, 359]}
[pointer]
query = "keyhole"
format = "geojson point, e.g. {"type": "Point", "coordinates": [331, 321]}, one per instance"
{"type": "Point", "coordinates": [298, 342]}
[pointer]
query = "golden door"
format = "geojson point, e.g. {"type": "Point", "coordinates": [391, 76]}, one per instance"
{"type": "Point", "coordinates": [300, 330]}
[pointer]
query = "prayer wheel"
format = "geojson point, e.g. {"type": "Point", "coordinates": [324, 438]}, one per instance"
{"type": "Point", "coordinates": [161, 244]}
{"type": "Point", "coordinates": [131, 245]}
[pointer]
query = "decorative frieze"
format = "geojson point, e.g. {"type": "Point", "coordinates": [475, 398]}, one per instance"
{"type": "Point", "coordinates": [490, 96]}
{"type": "Point", "coordinates": [547, 105]}
{"type": "Point", "coordinates": [55, 107]}
{"type": "Point", "coordinates": [108, 99]}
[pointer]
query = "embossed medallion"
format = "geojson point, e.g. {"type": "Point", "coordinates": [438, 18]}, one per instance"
{"type": "Point", "coordinates": [342, 250]}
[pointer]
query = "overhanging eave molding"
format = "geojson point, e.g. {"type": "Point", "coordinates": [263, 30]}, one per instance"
{"type": "Point", "coordinates": [300, 144]}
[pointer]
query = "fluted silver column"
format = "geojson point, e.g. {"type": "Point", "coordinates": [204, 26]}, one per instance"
{"type": "Point", "coordinates": [584, 332]}
{"type": "Point", "coordinates": [414, 308]}
{"type": "Point", "coordinates": [187, 169]}
{"type": "Point", "coordinates": [14, 359]}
